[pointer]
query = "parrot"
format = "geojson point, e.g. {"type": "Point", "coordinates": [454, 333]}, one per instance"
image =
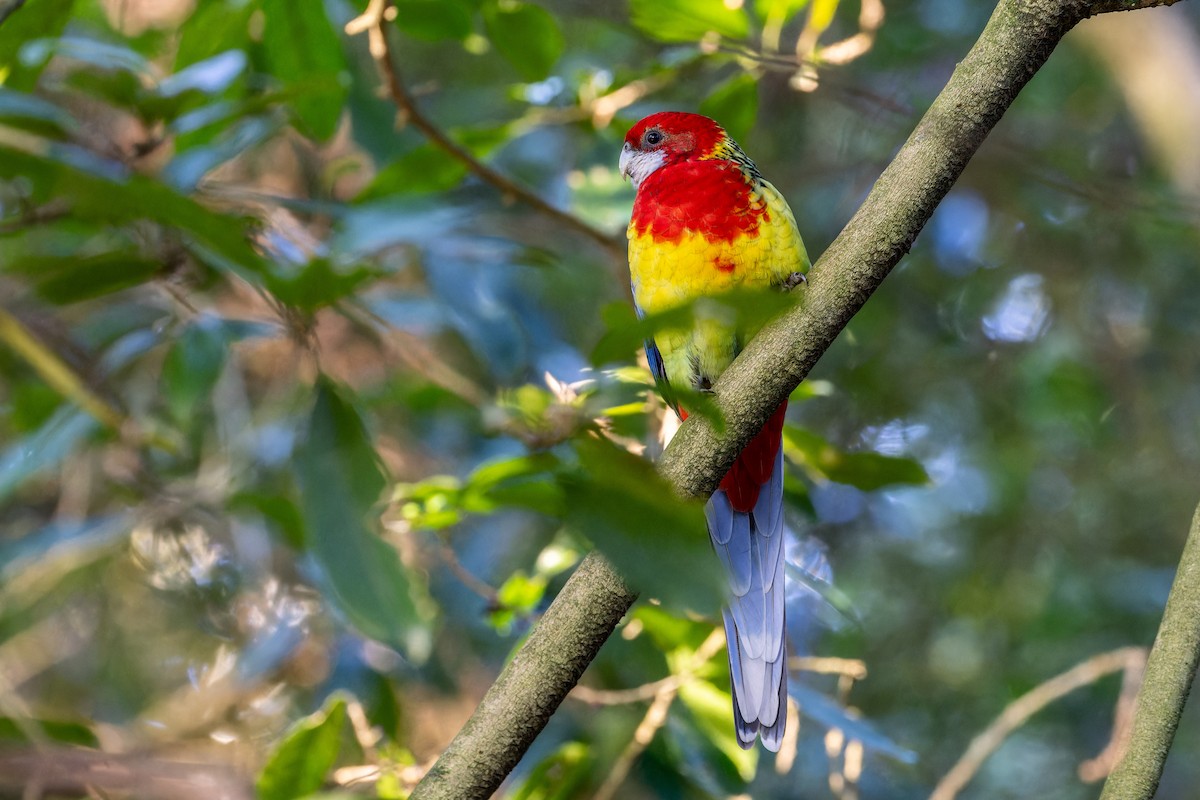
{"type": "Point", "coordinates": [704, 222]}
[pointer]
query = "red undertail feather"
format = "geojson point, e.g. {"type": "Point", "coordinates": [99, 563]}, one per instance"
{"type": "Point", "coordinates": [754, 464]}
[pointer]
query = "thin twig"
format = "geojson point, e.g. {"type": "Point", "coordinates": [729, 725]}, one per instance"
{"type": "Point", "coordinates": [372, 22]}
{"type": "Point", "coordinates": [1020, 710]}
{"type": "Point", "coordinates": [55, 372]}
{"type": "Point", "coordinates": [828, 665]}
{"type": "Point", "coordinates": [1094, 769]}
{"type": "Point", "coordinates": [51, 212]}
{"type": "Point", "coordinates": [656, 715]}
{"type": "Point", "coordinates": [464, 575]}
{"type": "Point", "coordinates": [619, 697]}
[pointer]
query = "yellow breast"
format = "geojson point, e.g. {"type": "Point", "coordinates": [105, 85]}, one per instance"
{"type": "Point", "coordinates": [669, 273]}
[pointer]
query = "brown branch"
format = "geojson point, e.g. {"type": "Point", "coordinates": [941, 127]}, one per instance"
{"type": "Point", "coordinates": [51, 212]}
{"type": "Point", "coordinates": [620, 697]}
{"type": "Point", "coordinates": [1018, 712]}
{"type": "Point", "coordinates": [468, 579]}
{"type": "Point", "coordinates": [372, 21]}
{"type": "Point", "coordinates": [1094, 769]}
{"type": "Point", "coordinates": [852, 668]}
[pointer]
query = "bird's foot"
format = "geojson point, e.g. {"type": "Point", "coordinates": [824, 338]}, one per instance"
{"type": "Point", "coordinates": [793, 280]}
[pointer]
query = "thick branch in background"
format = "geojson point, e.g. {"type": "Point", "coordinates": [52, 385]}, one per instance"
{"type": "Point", "coordinates": [1169, 673]}
{"type": "Point", "coordinates": [1015, 44]}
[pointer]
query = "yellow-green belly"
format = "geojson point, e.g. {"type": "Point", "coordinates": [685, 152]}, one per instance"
{"type": "Point", "coordinates": [667, 274]}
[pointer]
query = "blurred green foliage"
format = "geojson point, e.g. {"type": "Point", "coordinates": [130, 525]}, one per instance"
{"type": "Point", "coordinates": [304, 422]}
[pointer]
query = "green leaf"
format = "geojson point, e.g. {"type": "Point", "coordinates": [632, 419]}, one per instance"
{"type": "Point", "coordinates": [657, 541]}
{"type": "Point", "coordinates": [710, 709]}
{"type": "Point", "coordinates": [822, 14]}
{"type": "Point", "coordinates": [340, 479]}
{"type": "Point", "coordinates": [625, 333]}
{"type": "Point", "coordinates": [104, 191]}
{"type": "Point", "coordinates": [213, 75]}
{"type": "Point", "coordinates": [34, 112]}
{"type": "Point", "coordinates": [189, 166]}
{"type": "Point", "coordinates": [734, 104]}
{"type": "Point", "coordinates": [689, 20]}
{"type": "Point", "coordinates": [302, 49]}
{"type": "Point", "coordinates": [318, 284]}
{"type": "Point", "coordinates": [866, 471]}
{"type": "Point", "coordinates": [698, 761]}
{"type": "Point", "coordinates": [30, 404]}
{"type": "Point", "coordinates": [672, 632]}
{"type": "Point", "coordinates": [526, 35]}
{"type": "Point", "coordinates": [44, 18]}
{"type": "Point", "coordinates": [104, 56]}
{"type": "Point", "coordinates": [424, 170]}
{"type": "Point", "coordinates": [54, 441]}
{"type": "Point", "coordinates": [215, 26]}
{"type": "Point", "coordinates": [192, 367]}
{"type": "Point", "coordinates": [744, 310]}
{"type": "Point", "coordinates": [307, 753]}
{"type": "Point", "coordinates": [526, 481]}
{"type": "Point", "coordinates": [69, 280]}
{"type": "Point", "coordinates": [779, 11]}
{"type": "Point", "coordinates": [433, 20]}
{"type": "Point", "coordinates": [66, 732]}
{"type": "Point", "coordinates": [518, 596]}
{"type": "Point", "coordinates": [278, 510]}
{"type": "Point", "coordinates": [560, 776]}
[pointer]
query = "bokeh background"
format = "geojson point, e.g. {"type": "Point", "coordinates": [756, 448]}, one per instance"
{"type": "Point", "coordinates": [304, 420]}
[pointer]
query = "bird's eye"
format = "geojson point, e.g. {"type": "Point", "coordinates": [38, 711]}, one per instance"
{"type": "Point", "coordinates": [653, 137]}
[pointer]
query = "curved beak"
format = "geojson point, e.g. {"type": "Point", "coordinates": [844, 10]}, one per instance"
{"type": "Point", "coordinates": [637, 165]}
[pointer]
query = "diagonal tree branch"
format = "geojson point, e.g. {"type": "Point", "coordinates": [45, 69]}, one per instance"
{"type": "Point", "coordinates": [530, 688]}
{"type": "Point", "coordinates": [1015, 44]}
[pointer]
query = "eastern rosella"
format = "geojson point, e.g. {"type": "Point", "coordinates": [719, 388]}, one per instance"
{"type": "Point", "coordinates": [705, 222]}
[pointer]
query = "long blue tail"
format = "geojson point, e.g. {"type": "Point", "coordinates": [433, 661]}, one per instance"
{"type": "Point", "coordinates": [750, 545]}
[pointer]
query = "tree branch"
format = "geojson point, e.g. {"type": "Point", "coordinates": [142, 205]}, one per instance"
{"type": "Point", "coordinates": [530, 688]}
{"type": "Point", "coordinates": [1016, 42]}
{"type": "Point", "coordinates": [372, 21]}
{"type": "Point", "coordinates": [1169, 673]}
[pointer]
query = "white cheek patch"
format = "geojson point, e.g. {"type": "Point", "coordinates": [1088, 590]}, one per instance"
{"type": "Point", "coordinates": [639, 166]}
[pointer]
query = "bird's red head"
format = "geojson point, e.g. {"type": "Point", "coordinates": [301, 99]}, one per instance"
{"type": "Point", "coordinates": [668, 137]}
